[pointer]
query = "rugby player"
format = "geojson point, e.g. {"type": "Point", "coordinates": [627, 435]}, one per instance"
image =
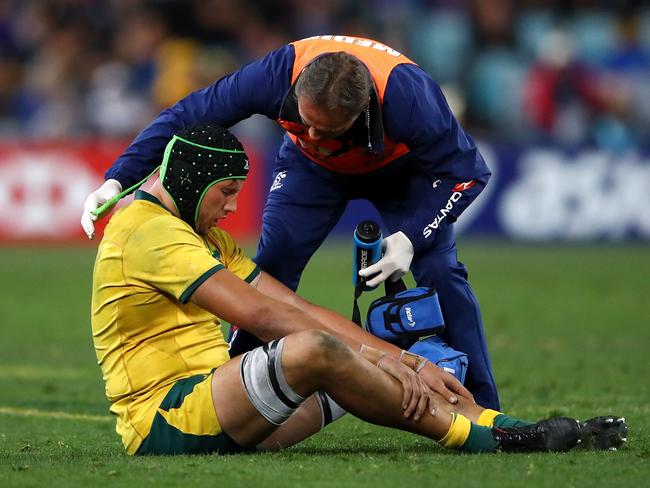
{"type": "Point", "coordinates": [164, 276]}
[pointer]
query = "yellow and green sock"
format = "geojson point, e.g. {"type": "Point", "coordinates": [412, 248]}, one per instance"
{"type": "Point", "coordinates": [468, 437]}
{"type": "Point", "coordinates": [492, 418]}
{"type": "Point", "coordinates": [473, 438]}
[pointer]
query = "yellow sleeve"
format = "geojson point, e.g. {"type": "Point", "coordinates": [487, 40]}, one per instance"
{"type": "Point", "coordinates": [232, 256]}
{"type": "Point", "coordinates": [167, 255]}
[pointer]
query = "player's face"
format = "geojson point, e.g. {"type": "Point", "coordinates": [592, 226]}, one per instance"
{"type": "Point", "coordinates": [219, 201]}
{"type": "Point", "coordinates": [323, 123]}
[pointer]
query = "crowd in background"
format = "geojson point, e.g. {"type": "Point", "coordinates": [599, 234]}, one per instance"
{"type": "Point", "coordinates": [567, 72]}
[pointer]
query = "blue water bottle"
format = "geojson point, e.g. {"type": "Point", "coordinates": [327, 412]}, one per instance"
{"type": "Point", "coordinates": [367, 249]}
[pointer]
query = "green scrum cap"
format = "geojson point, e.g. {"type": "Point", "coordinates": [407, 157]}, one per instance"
{"type": "Point", "coordinates": [195, 159]}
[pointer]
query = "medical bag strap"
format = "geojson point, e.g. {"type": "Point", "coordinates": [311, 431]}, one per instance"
{"type": "Point", "coordinates": [356, 315]}
{"type": "Point", "coordinates": [392, 288]}
{"type": "Point", "coordinates": [393, 312]}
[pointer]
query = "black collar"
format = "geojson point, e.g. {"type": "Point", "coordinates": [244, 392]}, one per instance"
{"type": "Point", "coordinates": [143, 195]}
{"type": "Point", "coordinates": [358, 133]}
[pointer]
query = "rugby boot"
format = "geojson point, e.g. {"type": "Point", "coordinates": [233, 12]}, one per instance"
{"type": "Point", "coordinates": [608, 432]}
{"type": "Point", "coordinates": [556, 434]}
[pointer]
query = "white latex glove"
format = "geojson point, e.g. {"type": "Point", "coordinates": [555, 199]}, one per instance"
{"type": "Point", "coordinates": [96, 199]}
{"type": "Point", "coordinates": [398, 254]}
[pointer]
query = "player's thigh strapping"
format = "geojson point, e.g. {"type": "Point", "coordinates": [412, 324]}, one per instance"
{"type": "Point", "coordinates": [265, 385]}
{"type": "Point", "coordinates": [268, 391]}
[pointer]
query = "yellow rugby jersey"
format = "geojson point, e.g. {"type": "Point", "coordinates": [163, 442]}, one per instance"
{"type": "Point", "coordinates": [146, 332]}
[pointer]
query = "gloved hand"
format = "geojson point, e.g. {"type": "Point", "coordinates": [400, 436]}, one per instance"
{"type": "Point", "coordinates": [96, 199]}
{"type": "Point", "coordinates": [398, 254]}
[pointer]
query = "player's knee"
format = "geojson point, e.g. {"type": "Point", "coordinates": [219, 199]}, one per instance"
{"type": "Point", "coordinates": [326, 346]}
{"type": "Point", "coordinates": [318, 350]}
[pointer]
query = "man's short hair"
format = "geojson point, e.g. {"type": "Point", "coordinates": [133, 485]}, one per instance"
{"type": "Point", "coordinates": [336, 80]}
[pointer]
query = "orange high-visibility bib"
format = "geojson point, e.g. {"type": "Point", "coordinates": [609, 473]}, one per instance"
{"type": "Point", "coordinates": [380, 61]}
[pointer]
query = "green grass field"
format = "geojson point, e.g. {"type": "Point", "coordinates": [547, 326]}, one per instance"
{"type": "Point", "coordinates": [568, 328]}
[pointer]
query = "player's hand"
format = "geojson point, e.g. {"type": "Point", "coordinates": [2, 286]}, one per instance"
{"type": "Point", "coordinates": [96, 199]}
{"type": "Point", "coordinates": [416, 394]}
{"type": "Point", "coordinates": [398, 254]}
{"type": "Point", "coordinates": [444, 383]}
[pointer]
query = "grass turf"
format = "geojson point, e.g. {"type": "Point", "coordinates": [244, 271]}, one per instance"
{"type": "Point", "coordinates": [567, 328]}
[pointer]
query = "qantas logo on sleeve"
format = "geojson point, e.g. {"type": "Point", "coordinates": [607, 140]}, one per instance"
{"type": "Point", "coordinates": [455, 196]}
{"type": "Point", "coordinates": [464, 186]}
{"type": "Point", "coordinates": [428, 230]}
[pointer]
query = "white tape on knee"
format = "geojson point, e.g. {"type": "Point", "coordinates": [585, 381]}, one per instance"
{"type": "Point", "coordinates": [329, 409]}
{"type": "Point", "coordinates": [265, 384]}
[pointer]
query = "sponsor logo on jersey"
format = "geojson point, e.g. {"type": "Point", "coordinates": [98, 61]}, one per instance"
{"type": "Point", "coordinates": [428, 230]}
{"type": "Point", "coordinates": [464, 186]}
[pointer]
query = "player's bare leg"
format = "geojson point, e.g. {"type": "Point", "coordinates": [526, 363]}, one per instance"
{"type": "Point", "coordinates": [313, 361]}
{"type": "Point", "coordinates": [357, 385]}
{"type": "Point", "coordinates": [311, 418]}
{"type": "Point", "coordinates": [306, 422]}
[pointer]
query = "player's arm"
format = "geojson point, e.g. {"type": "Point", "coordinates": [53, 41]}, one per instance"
{"type": "Point", "coordinates": [232, 299]}
{"type": "Point", "coordinates": [437, 379]}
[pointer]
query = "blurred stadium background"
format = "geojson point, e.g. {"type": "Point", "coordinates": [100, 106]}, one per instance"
{"type": "Point", "coordinates": [556, 92]}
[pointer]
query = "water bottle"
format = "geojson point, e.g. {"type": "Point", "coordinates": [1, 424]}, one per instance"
{"type": "Point", "coordinates": [367, 249]}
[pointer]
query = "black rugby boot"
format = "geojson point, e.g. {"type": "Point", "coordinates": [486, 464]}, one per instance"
{"type": "Point", "coordinates": [556, 434]}
{"type": "Point", "coordinates": [608, 432]}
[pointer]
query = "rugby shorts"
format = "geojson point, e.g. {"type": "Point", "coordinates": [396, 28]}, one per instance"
{"type": "Point", "coordinates": [186, 423]}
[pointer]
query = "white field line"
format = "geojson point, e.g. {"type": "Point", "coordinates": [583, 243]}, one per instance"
{"type": "Point", "coordinates": [44, 372]}
{"type": "Point", "coordinates": [32, 412]}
